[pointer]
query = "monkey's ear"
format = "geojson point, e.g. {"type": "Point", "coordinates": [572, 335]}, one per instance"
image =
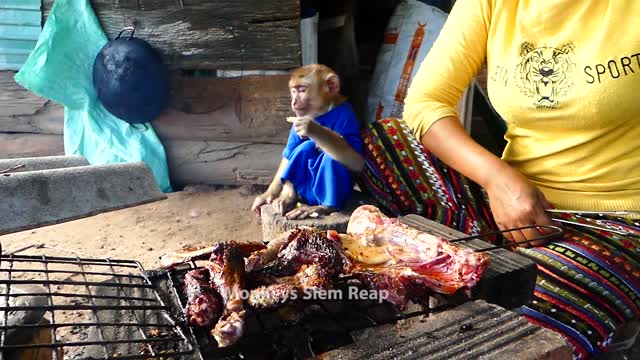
{"type": "Point", "coordinates": [333, 84]}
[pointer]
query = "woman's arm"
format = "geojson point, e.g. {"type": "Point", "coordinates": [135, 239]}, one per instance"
{"type": "Point", "coordinates": [514, 201]}
{"type": "Point", "coordinates": [453, 61]}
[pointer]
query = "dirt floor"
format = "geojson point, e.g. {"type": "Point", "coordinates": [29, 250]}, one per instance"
{"type": "Point", "coordinates": [198, 215]}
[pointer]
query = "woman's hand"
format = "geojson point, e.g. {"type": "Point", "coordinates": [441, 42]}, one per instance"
{"type": "Point", "coordinates": [516, 202]}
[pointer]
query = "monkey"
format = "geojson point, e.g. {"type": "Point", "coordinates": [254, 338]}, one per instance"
{"type": "Point", "coordinates": [323, 151]}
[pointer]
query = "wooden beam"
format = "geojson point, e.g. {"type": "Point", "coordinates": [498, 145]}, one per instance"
{"type": "Point", "coordinates": [30, 145]}
{"type": "Point", "coordinates": [222, 163]}
{"type": "Point", "coordinates": [190, 162]}
{"type": "Point", "coordinates": [22, 111]}
{"type": "Point", "coordinates": [209, 34]}
{"type": "Point", "coordinates": [242, 109]}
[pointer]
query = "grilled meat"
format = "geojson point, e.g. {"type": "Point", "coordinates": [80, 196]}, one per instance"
{"type": "Point", "coordinates": [309, 260]}
{"type": "Point", "coordinates": [270, 296]}
{"type": "Point", "coordinates": [261, 258]}
{"type": "Point", "coordinates": [381, 252]}
{"type": "Point", "coordinates": [311, 247]}
{"type": "Point", "coordinates": [185, 255]}
{"type": "Point", "coordinates": [389, 255]}
{"type": "Point", "coordinates": [227, 274]}
{"type": "Point", "coordinates": [204, 305]}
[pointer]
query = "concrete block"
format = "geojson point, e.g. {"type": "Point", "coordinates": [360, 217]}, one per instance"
{"type": "Point", "coordinates": [40, 163]}
{"type": "Point", "coordinates": [472, 331]}
{"type": "Point", "coordinates": [37, 198]}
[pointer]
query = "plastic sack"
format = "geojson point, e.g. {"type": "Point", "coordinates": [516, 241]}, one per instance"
{"type": "Point", "coordinates": [408, 38]}
{"type": "Point", "coordinates": [60, 69]}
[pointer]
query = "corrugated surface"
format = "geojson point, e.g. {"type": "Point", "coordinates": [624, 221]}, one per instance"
{"type": "Point", "coordinates": [472, 331]}
{"type": "Point", "coordinates": [20, 26]}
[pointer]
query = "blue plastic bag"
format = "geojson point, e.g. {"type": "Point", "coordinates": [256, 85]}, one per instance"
{"type": "Point", "coordinates": [60, 69]}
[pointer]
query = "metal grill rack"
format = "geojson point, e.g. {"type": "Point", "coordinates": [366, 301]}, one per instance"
{"type": "Point", "coordinates": [302, 330]}
{"type": "Point", "coordinates": [85, 309]}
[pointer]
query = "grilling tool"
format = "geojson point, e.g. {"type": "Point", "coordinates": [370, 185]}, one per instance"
{"type": "Point", "coordinates": [596, 227]}
{"type": "Point", "coordinates": [557, 231]}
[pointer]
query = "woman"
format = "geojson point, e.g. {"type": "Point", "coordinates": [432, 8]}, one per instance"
{"type": "Point", "coordinates": [565, 77]}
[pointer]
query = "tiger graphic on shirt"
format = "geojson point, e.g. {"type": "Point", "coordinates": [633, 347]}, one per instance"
{"type": "Point", "coordinates": [545, 74]}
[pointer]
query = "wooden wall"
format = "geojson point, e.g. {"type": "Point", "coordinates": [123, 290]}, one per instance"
{"type": "Point", "coordinates": [217, 130]}
{"type": "Point", "coordinates": [209, 34]}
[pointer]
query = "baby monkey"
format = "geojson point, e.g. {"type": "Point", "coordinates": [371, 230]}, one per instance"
{"type": "Point", "coordinates": [323, 150]}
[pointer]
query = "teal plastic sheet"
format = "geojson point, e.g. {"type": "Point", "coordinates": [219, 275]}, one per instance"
{"type": "Point", "coordinates": [60, 69]}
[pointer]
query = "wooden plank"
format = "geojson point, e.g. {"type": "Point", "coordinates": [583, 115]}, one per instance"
{"type": "Point", "coordinates": [190, 162]}
{"type": "Point", "coordinates": [22, 111]}
{"type": "Point", "coordinates": [209, 34]}
{"type": "Point", "coordinates": [243, 109]}
{"type": "Point", "coordinates": [210, 162]}
{"type": "Point", "coordinates": [261, 177]}
{"type": "Point", "coordinates": [246, 109]}
{"type": "Point", "coordinates": [30, 145]}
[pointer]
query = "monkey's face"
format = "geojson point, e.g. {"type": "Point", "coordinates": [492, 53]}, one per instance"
{"type": "Point", "coordinates": [306, 99]}
{"type": "Point", "coordinates": [314, 89]}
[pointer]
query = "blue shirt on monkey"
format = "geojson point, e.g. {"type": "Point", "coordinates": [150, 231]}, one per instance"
{"type": "Point", "coordinates": [319, 179]}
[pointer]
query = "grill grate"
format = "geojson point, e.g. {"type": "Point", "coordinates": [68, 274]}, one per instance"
{"type": "Point", "coordinates": [300, 330]}
{"type": "Point", "coordinates": [88, 308]}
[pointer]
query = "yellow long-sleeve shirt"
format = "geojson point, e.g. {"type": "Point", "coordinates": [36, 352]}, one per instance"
{"type": "Point", "coordinates": [565, 76]}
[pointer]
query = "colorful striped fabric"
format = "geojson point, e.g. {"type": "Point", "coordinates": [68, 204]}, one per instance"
{"type": "Point", "coordinates": [406, 179]}
{"type": "Point", "coordinates": [588, 282]}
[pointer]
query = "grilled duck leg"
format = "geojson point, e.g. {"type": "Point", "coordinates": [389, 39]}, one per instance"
{"type": "Point", "coordinates": [227, 273]}
{"type": "Point", "coordinates": [204, 305]}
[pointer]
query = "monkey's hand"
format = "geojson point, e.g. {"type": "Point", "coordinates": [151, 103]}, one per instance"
{"type": "Point", "coordinates": [306, 211]}
{"type": "Point", "coordinates": [329, 142]}
{"type": "Point", "coordinates": [260, 200]}
{"type": "Point", "coordinates": [305, 127]}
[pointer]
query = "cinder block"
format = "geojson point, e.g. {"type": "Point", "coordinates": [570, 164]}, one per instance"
{"type": "Point", "coordinates": [472, 331]}
{"type": "Point", "coordinates": [37, 198]}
